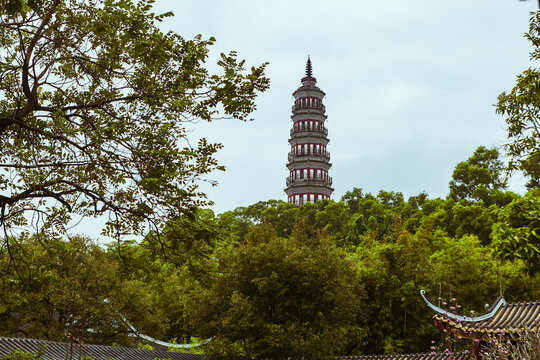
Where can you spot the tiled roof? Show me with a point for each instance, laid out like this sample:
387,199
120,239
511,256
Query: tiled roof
509,319
406,357
66,351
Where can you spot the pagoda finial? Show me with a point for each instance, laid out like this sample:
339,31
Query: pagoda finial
308,67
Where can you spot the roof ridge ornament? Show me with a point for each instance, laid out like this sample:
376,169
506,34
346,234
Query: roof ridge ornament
496,306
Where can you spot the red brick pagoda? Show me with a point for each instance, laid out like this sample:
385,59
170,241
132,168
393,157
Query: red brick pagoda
309,160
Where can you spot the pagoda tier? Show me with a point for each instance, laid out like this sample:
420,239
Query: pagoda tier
309,159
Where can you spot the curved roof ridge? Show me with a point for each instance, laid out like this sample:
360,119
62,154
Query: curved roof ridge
499,298
487,315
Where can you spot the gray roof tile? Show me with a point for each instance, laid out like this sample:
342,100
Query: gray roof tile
66,351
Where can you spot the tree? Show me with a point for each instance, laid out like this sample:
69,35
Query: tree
482,171
531,169
517,233
94,99
521,108
59,289
279,298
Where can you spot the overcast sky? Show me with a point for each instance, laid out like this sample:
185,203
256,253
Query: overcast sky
410,86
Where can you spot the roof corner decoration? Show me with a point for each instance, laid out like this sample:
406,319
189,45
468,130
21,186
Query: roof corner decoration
488,315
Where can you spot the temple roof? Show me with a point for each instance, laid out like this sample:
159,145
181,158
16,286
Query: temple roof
501,317
61,351
428,356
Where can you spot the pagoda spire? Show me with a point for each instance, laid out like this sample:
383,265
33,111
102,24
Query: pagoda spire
308,67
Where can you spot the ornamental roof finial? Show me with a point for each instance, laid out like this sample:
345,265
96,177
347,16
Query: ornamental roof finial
308,67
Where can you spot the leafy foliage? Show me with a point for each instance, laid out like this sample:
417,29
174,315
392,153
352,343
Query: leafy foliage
481,173
521,108
55,289
517,234
279,298
93,104
23,355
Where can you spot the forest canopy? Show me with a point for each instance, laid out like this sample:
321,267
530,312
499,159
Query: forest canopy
272,279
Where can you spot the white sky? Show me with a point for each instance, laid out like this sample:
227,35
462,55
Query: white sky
410,86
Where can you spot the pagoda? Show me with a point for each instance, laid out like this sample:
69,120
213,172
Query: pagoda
308,160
